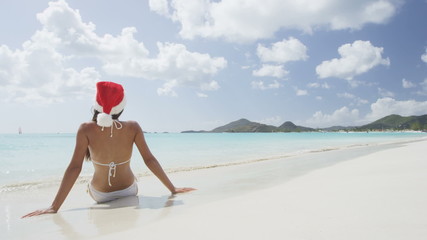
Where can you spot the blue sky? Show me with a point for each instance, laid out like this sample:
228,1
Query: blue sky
200,64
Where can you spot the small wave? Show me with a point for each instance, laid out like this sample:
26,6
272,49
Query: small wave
276,157
25,186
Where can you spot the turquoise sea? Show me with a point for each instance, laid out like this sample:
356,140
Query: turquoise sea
33,159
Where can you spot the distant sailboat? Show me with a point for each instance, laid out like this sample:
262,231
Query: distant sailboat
20,130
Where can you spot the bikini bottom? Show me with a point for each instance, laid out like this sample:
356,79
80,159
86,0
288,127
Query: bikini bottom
101,197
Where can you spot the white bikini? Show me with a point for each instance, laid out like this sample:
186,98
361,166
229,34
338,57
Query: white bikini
101,197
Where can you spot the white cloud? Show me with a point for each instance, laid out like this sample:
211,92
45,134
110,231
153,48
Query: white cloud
262,86
386,106
38,73
123,55
318,85
167,89
161,7
249,20
279,53
268,70
356,100
301,92
283,51
407,84
356,58
381,108
174,63
210,86
65,36
424,57
343,117
361,101
385,93
201,95
346,95
423,90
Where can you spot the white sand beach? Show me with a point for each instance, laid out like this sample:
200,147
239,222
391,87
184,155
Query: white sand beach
376,194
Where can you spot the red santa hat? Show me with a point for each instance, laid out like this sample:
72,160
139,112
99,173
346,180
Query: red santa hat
110,100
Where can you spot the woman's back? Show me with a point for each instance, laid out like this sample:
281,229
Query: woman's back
106,150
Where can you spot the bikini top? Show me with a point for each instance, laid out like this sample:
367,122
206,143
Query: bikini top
112,168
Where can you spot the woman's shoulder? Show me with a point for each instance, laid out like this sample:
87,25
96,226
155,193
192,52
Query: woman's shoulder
86,126
132,124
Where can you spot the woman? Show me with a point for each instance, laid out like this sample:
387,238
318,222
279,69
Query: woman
108,142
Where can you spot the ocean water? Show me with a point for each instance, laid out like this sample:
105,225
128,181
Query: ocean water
32,159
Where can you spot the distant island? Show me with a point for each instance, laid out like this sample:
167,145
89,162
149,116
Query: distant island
390,123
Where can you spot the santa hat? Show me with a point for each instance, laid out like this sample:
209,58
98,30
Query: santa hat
110,100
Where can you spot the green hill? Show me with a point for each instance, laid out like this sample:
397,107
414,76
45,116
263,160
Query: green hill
244,125
397,122
291,127
391,122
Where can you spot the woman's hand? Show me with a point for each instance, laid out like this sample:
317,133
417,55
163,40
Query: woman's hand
183,190
48,210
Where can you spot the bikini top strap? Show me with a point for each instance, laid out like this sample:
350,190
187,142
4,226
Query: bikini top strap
112,168
117,124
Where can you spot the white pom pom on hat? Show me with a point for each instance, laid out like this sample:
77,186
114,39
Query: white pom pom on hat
104,120
110,99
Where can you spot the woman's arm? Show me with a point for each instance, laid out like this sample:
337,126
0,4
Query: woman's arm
153,164
71,174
